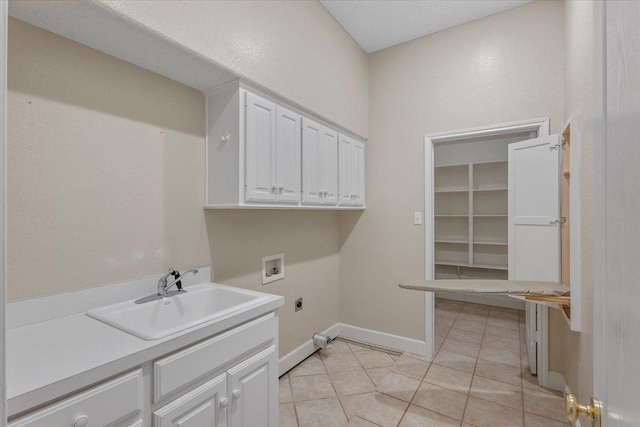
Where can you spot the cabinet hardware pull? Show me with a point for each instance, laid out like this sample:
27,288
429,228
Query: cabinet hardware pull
224,402
81,421
236,393
281,188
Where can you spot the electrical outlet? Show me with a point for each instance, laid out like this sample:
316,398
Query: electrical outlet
299,304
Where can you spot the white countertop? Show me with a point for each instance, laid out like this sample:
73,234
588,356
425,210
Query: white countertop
51,358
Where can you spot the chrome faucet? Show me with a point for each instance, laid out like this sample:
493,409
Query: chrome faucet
164,286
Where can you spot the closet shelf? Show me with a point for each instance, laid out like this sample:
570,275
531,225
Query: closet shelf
489,242
491,267
452,190
497,188
490,215
455,241
452,215
452,263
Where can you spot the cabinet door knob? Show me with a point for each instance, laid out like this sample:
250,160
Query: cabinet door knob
236,393
224,402
281,188
81,421
274,188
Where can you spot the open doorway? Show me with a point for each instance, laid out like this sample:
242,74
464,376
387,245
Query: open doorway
467,205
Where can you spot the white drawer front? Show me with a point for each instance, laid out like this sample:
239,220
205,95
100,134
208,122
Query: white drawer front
115,403
186,366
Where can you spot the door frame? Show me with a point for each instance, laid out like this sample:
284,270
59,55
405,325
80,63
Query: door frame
540,125
3,205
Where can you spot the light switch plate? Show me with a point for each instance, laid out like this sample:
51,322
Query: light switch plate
417,218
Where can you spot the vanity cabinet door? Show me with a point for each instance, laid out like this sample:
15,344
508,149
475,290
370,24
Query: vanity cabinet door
253,391
206,406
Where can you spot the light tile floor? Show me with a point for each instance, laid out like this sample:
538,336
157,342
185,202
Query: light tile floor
479,377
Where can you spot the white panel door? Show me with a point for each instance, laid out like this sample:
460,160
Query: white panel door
616,295
260,150
253,387
311,145
288,160
358,173
534,230
206,406
329,166
345,171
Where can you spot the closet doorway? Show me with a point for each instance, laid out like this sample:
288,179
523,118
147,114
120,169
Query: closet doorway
467,233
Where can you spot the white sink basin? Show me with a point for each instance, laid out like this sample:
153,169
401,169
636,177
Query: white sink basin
157,319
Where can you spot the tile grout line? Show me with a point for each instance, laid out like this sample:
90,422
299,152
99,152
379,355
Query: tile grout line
466,403
344,411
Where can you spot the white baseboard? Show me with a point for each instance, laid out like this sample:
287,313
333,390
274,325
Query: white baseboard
498,301
296,356
556,381
383,339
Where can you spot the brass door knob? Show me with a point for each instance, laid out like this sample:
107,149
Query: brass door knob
573,409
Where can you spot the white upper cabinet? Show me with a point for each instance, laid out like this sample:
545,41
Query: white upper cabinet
261,153
351,172
319,164
311,144
288,139
358,173
329,166
272,152
261,150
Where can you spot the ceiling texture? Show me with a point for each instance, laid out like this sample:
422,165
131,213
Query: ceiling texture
378,24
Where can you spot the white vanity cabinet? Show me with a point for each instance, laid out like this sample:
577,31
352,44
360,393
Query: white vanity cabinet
243,396
229,379
262,153
351,171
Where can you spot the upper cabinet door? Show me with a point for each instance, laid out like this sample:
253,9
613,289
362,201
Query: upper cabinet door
345,171
260,185
358,173
329,166
288,156
311,137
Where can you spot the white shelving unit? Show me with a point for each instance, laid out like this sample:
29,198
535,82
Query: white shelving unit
471,220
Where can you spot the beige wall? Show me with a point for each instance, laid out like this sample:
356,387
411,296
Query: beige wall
106,183
503,68
309,239
105,168
294,48
573,355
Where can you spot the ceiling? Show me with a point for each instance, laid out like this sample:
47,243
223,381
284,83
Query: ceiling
378,24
